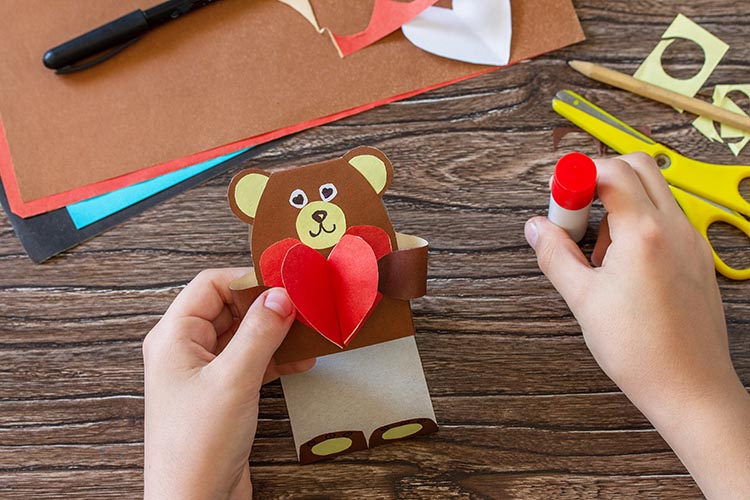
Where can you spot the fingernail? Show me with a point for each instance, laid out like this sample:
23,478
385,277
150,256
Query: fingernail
531,232
278,301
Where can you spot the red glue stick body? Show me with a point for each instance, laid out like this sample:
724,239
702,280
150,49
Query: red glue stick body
573,187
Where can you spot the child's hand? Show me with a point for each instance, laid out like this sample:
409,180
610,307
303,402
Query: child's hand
652,316
203,372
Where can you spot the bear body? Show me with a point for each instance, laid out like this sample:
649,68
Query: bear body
368,388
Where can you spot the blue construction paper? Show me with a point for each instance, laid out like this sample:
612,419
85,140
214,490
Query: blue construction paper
94,209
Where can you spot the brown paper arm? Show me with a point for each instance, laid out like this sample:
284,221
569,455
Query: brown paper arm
245,290
403,272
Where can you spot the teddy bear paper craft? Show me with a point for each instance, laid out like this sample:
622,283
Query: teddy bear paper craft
322,232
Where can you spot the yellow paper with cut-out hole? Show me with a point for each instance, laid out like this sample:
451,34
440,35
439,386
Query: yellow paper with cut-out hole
652,71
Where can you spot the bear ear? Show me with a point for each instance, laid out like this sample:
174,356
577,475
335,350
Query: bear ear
245,191
374,165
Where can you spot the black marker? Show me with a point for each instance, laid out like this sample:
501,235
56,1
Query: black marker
115,36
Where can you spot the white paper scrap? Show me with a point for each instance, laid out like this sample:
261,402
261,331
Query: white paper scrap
473,31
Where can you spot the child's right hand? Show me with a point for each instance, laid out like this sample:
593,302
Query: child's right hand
652,316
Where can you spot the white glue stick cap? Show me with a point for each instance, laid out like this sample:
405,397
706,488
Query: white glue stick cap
573,187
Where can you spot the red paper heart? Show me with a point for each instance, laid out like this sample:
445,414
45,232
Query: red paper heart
334,296
272,259
376,237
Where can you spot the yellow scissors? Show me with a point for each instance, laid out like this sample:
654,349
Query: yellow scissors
706,192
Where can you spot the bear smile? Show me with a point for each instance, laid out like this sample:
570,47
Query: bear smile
322,229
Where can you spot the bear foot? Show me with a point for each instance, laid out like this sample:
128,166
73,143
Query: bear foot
331,445
402,430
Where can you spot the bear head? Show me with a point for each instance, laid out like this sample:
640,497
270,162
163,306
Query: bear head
314,204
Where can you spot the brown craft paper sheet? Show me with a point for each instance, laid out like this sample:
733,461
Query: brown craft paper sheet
234,70
344,21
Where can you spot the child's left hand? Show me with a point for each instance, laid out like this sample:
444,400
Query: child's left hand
203,373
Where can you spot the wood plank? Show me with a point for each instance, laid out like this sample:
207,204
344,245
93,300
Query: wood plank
525,411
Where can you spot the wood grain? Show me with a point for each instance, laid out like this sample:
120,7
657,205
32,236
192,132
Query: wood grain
524,409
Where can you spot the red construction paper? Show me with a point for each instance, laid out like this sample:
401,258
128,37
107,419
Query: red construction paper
271,263
272,260
387,17
310,286
376,237
355,269
334,295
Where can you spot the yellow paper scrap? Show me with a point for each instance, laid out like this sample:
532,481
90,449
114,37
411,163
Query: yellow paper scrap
707,127
652,71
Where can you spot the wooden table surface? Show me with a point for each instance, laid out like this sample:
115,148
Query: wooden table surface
524,410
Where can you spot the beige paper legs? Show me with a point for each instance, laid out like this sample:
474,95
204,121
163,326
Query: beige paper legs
358,399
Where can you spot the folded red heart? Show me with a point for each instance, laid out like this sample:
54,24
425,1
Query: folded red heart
333,296
355,293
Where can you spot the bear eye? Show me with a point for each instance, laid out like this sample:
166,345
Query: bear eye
298,198
328,192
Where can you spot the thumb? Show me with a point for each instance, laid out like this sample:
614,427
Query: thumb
559,258
261,332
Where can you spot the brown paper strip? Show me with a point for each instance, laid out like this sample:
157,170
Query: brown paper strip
403,272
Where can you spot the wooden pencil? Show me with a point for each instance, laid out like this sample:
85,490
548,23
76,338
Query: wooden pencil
659,94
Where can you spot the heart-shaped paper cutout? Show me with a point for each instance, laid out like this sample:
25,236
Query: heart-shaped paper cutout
474,31
335,296
376,237
272,259
271,262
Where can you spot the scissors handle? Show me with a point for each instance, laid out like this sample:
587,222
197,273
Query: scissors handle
702,213
718,183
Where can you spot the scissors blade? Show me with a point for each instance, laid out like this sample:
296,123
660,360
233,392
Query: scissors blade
611,131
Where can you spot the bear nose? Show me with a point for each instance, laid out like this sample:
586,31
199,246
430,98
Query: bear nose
319,216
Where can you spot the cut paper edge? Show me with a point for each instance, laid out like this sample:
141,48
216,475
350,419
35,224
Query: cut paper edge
403,272
358,327
304,8
86,212
374,236
457,34
361,290
387,16
272,259
325,321
270,264
707,126
26,209
47,235
714,49
682,27
335,324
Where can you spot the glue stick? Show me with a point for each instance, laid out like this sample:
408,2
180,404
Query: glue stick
573,186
